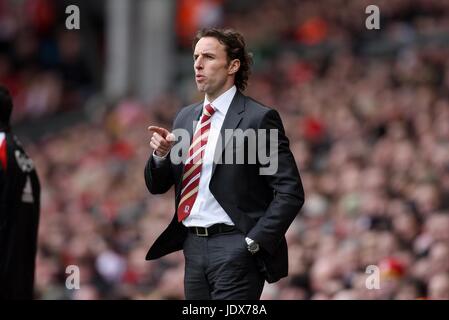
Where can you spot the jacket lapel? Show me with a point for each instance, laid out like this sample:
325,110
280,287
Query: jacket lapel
189,124
192,120
231,121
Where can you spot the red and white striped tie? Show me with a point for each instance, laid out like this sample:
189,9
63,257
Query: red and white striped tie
192,167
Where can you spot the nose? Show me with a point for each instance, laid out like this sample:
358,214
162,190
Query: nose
198,64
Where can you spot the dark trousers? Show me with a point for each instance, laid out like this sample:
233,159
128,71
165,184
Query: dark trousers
220,267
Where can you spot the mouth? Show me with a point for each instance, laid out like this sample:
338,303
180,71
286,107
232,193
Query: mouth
199,77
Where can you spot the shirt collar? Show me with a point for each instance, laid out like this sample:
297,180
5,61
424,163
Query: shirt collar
223,102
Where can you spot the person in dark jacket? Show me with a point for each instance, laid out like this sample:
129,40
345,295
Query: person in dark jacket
19,210
231,217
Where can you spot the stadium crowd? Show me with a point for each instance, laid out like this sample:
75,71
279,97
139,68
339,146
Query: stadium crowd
370,135
41,62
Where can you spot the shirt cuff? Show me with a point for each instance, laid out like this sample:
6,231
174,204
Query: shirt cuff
158,159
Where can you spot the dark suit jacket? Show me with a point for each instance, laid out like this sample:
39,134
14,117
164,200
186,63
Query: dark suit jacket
261,206
19,221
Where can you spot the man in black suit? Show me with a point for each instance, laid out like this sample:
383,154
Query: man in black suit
19,211
231,216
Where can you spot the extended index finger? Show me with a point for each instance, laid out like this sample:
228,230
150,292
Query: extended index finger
161,131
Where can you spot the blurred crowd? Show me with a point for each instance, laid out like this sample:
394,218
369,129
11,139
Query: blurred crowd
41,62
371,139
309,22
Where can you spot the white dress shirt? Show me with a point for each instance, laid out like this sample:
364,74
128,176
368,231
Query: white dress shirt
206,211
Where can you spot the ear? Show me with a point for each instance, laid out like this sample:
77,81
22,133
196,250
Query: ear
234,66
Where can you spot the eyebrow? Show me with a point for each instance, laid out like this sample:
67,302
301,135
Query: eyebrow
210,54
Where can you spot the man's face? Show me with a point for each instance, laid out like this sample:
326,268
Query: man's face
213,73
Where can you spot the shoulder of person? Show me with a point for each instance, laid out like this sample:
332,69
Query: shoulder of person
187,109
257,109
182,113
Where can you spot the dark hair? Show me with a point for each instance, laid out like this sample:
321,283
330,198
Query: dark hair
235,49
5,106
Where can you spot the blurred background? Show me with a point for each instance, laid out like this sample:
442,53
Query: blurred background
366,112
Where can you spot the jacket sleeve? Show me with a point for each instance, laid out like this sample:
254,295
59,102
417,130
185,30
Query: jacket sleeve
286,184
158,177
